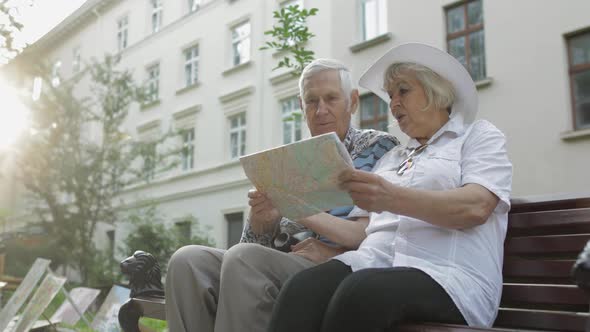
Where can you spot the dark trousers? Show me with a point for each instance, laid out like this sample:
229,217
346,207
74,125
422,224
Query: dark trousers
331,298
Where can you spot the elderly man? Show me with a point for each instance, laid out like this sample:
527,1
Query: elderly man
209,289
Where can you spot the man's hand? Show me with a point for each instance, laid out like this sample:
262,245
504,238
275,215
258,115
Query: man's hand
315,250
368,191
263,215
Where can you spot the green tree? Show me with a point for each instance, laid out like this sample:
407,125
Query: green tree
150,234
289,36
78,159
9,29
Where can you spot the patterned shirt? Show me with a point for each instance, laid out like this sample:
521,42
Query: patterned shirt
366,147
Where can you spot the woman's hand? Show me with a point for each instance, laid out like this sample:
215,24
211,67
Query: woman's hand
315,250
369,191
263,215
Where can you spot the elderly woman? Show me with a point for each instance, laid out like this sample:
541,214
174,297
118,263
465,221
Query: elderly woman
438,212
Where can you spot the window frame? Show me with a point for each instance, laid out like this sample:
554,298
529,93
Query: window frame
149,161
468,30
157,7
381,8
184,229
153,81
123,33
294,119
193,62
239,40
230,218
194,5
76,59
573,70
241,130
374,121
37,88
188,148
55,73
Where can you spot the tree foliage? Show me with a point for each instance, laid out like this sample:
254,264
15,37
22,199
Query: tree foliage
78,158
9,28
150,234
290,35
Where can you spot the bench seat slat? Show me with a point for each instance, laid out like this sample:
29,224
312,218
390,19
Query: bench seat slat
569,295
540,245
152,307
543,320
430,327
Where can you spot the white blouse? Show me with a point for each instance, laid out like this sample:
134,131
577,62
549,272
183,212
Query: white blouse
466,263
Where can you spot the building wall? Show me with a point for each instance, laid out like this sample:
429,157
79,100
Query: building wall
526,59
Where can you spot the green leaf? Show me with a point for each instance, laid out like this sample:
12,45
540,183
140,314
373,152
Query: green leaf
289,36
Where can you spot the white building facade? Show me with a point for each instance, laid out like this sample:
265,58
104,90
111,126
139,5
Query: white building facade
206,75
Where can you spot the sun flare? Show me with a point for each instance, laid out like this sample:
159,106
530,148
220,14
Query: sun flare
13,115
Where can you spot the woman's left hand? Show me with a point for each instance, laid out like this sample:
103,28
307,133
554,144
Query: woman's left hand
369,191
315,250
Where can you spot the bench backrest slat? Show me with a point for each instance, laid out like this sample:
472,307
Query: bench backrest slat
518,269
542,243
558,245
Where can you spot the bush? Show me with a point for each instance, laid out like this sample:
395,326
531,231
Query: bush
149,234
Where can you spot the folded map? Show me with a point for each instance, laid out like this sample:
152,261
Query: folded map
301,178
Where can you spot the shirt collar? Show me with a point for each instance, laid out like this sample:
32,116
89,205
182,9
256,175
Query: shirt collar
350,138
455,125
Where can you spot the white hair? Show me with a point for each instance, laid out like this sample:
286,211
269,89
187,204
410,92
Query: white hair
319,65
438,90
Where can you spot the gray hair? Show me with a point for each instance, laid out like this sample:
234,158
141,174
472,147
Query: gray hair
319,65
439,91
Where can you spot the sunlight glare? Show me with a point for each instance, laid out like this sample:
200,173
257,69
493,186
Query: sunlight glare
13,115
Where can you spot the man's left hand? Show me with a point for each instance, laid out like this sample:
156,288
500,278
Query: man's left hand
315,250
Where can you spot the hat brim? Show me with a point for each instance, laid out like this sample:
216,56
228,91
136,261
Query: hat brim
442,63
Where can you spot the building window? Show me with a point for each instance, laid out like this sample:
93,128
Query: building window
122,31
373,18
373,112
184,230
237,135
240,40
156,15
149,161
235,225
188,148
191,66
579,71
194,5
76,60
153,83
55,77
465,36
111,242
292,115
37,87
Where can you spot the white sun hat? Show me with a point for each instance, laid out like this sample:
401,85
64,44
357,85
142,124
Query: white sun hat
441,62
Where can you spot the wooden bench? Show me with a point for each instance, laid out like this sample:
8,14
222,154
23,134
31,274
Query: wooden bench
544,239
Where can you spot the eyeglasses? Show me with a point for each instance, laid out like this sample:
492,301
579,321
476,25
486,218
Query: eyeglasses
408,162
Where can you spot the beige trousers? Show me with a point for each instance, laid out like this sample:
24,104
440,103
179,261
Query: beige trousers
213,290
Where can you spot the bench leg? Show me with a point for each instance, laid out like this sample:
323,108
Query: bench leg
129,315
